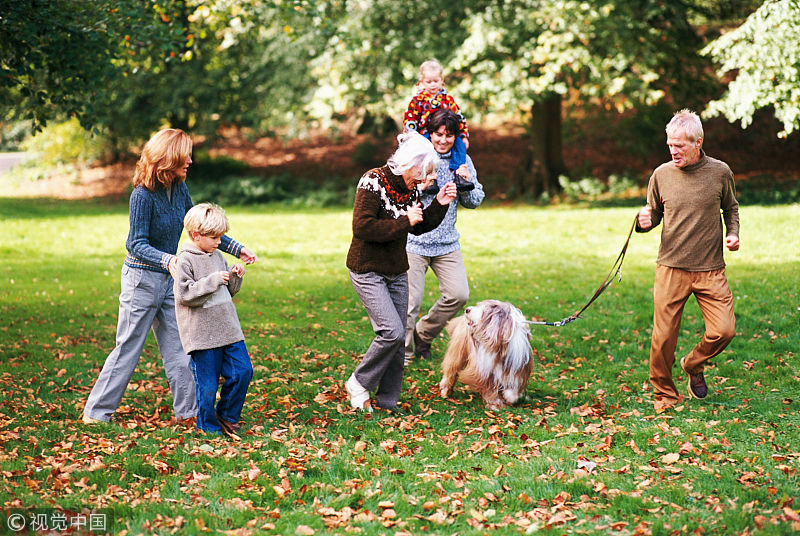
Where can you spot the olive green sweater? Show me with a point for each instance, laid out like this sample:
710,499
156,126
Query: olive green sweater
689,200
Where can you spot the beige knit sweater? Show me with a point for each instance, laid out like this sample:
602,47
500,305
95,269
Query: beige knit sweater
689,201
203,301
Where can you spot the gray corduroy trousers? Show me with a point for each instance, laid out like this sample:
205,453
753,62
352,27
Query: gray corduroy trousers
385,298
146,300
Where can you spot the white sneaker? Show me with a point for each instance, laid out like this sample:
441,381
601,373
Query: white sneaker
89,420
359,397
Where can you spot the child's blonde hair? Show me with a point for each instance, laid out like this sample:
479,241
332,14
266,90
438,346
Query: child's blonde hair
430,65
206,219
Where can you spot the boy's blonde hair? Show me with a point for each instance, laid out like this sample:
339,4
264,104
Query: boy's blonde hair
430,65
206,219
163,154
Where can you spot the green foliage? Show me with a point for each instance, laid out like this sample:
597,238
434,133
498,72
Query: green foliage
766,190
764,53
583,453
59,57
228,181
64,143
591,189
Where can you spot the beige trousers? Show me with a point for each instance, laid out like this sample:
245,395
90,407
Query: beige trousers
671,289
453,287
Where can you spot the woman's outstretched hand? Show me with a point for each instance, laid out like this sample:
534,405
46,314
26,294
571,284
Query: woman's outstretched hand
247,256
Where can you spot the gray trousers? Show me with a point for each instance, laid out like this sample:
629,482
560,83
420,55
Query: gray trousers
146,300
453,290
385,298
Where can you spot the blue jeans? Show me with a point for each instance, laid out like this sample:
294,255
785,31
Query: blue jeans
232,363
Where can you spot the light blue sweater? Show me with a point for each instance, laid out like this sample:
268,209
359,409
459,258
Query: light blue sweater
444,239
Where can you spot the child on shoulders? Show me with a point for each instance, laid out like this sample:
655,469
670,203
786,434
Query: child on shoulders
207,321
432,96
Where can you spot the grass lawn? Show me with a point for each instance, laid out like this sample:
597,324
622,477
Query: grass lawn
584,453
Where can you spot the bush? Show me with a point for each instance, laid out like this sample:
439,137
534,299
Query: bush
592,189
251,190
64,143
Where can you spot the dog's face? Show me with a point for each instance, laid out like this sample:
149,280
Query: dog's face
492,321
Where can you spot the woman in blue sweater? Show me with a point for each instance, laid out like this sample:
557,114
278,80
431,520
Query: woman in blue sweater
159,201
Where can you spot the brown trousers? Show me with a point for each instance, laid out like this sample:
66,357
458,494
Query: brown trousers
671,289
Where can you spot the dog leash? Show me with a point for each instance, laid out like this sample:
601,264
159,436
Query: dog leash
615,272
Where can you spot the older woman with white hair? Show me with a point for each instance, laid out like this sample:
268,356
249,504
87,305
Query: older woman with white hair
386,209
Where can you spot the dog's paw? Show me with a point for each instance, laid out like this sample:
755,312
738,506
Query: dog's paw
444,390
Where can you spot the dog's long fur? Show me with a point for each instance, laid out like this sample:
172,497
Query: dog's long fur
490,352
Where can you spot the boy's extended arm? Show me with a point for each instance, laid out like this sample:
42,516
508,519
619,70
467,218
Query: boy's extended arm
195,293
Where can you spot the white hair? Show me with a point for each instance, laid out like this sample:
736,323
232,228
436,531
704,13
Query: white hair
414,151
688,122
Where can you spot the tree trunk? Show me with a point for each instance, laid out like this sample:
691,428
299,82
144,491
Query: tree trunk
543,161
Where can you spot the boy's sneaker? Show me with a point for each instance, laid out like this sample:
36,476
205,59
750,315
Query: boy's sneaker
422,349
90,420
697,383
463,185
359,397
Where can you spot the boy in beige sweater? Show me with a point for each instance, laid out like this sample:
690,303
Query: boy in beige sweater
207,321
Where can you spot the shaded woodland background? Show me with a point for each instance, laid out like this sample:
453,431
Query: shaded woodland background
292,96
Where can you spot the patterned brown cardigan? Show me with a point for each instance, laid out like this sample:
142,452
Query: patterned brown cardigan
380,224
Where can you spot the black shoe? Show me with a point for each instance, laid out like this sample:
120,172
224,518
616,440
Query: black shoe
395,410
422,349
463,185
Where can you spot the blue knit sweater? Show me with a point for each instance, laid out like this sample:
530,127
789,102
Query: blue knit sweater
444,239
156,223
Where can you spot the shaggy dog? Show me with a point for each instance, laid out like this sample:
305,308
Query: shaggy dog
490,352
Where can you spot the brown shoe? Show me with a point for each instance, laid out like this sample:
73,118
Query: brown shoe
230,429
697,383
422,349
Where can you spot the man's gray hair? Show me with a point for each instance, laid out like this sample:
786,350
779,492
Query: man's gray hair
688,122
414,151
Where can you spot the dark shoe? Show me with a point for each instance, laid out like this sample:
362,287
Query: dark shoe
230,429
422,349
395,410
463,185
697,383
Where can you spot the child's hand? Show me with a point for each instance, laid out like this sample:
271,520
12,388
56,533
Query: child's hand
226,276
238,269
466,142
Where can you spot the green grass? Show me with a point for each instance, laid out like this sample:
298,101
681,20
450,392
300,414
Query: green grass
450,466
